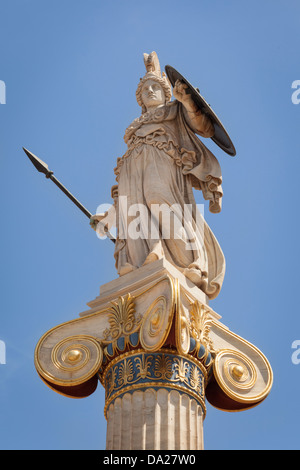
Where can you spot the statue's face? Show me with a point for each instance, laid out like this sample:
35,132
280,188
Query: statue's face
153,94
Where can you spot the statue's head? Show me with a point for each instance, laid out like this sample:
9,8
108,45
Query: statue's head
154,89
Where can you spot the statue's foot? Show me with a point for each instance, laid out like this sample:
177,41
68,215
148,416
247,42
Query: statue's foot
151,258
127,268
193,275
197,277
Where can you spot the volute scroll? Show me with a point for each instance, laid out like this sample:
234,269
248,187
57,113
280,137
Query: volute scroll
242,376
69,363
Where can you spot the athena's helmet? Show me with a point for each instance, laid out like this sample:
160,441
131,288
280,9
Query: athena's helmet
153,72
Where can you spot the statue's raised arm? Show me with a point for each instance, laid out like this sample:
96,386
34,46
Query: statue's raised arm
200,122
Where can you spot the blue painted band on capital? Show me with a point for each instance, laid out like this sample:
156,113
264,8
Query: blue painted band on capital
162,369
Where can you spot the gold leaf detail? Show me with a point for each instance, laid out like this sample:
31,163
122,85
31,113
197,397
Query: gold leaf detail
143,365
195,379
111,380
200,324
121,318
126,372
182,368
163,367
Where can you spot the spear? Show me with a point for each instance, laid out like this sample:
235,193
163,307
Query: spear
42,167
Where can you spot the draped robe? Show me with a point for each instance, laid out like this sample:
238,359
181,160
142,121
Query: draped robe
165,160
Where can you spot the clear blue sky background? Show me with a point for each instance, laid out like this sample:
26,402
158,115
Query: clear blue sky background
71,69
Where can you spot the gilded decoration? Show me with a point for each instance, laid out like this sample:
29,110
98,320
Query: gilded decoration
131,325
237,375
155,337
73,360
152,333
161,369
147,327
200,324
121,318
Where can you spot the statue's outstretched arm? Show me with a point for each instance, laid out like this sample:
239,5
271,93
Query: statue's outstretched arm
103,222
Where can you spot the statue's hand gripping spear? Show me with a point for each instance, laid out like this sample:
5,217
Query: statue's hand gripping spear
42,167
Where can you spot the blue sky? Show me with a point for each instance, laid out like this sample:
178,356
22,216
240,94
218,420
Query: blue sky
71,69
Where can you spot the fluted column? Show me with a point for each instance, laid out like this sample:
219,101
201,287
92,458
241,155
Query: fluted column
154,420
154,401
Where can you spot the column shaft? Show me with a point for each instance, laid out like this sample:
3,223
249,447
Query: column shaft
154,420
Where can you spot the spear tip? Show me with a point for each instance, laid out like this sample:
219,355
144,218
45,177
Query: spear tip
37,162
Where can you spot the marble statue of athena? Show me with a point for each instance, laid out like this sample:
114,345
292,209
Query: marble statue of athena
150,337
156,213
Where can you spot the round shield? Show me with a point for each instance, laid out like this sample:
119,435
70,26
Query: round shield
220,137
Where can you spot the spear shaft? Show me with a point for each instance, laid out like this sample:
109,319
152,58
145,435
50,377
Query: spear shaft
70,196
42,167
